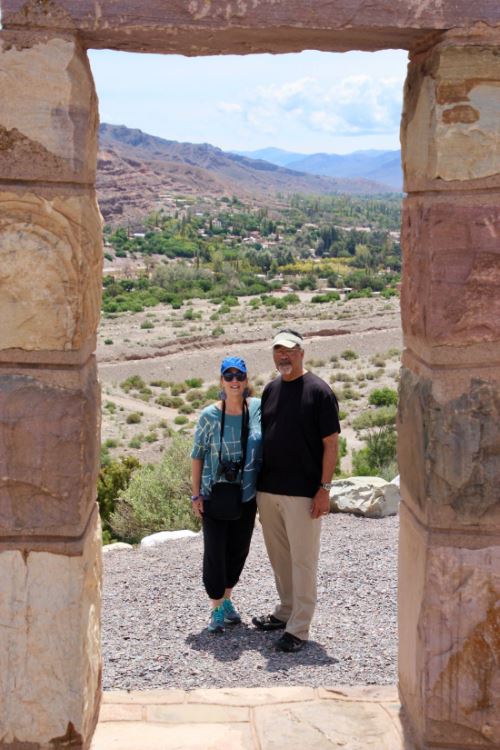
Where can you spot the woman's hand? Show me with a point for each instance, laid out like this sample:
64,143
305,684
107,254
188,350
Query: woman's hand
197,506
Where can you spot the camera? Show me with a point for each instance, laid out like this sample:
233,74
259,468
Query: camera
229,470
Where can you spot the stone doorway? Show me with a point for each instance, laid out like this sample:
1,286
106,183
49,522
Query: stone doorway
50,279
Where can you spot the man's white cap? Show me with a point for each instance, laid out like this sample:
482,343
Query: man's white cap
285,338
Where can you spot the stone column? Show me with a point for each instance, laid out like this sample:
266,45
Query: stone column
449,417
50,281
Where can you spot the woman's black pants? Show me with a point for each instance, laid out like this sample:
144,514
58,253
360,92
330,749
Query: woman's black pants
226,546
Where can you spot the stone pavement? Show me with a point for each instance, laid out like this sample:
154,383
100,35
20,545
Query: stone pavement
281,718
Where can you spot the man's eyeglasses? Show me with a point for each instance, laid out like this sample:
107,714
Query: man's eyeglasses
229,376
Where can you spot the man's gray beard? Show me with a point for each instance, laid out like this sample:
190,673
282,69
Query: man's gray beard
285,369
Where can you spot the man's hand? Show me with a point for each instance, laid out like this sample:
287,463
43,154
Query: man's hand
320,503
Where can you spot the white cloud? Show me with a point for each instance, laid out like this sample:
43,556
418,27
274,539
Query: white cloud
354,105
230,108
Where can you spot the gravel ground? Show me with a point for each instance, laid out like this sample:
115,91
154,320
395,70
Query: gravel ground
155,613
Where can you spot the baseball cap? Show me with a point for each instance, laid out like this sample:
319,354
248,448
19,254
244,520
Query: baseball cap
235,362
288,339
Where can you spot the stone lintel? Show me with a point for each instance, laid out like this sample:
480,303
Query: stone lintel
233,27
448,632
449,448
51,260
48,130
450,294
49,446
47,360
449,127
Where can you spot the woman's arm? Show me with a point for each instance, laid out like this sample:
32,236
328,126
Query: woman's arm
196,469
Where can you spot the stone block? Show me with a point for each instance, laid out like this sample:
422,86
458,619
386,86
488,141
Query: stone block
451,286
51,265
50,666
49,441
450,118
449,638
325,724
49,119
449,452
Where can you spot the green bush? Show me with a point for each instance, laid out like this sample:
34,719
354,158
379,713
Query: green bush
157,498
181,419
113,479
147,324
194,382
217,331
173,402
383,397
134,417
135,443
375,418
108,341
349,354
133,383
379,453
342,452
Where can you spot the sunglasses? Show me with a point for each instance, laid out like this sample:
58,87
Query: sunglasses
229,376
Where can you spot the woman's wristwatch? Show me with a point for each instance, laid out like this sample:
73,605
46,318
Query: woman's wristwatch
195,497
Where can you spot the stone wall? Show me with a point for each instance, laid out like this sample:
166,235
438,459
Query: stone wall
449,415
50,287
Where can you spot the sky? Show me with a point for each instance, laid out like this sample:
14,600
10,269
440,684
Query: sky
304,102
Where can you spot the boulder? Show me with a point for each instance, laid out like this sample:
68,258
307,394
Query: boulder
372,497
116,547
165,536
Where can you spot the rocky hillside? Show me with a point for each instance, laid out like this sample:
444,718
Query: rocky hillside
137,171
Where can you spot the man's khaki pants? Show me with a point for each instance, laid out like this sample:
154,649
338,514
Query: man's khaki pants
292,540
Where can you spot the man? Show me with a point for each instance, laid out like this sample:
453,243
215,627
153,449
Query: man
300,426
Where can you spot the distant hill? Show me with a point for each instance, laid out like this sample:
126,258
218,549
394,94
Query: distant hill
137,170
381,166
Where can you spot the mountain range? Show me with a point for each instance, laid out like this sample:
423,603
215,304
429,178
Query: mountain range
381,166
136,172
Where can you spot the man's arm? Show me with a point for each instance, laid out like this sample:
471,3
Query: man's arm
321,500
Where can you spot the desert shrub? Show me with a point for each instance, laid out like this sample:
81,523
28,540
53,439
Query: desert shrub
217,331
186,409
111,443
341,377
291,298
110,406
112,480
173,402
327,297
135,443
157,497
349,354
177,388
134,417
378,360
194,382
151,437
212,393
159,383
194,395
341,453
181,419
383,397
378,454
133,383
349,394
375,418
108,341
147,324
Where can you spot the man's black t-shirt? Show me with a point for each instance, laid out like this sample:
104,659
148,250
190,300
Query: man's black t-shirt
296,416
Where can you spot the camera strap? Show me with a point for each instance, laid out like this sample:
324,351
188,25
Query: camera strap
245,424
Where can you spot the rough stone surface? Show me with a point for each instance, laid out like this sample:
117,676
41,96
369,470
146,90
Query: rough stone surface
48,455
48,121
450,128
202,26
449,622
350,718
372,497
50,671
449,453
50,269
451,287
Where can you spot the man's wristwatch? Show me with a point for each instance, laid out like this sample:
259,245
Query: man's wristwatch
326,486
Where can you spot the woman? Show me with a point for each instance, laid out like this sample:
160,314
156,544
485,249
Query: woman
234,457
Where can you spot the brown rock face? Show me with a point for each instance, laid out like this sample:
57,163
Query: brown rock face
50,272
449,615
451,287
450,120
48,455
48,131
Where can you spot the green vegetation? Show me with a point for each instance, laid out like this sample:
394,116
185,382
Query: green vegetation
383,397
157,497
379,456
114,478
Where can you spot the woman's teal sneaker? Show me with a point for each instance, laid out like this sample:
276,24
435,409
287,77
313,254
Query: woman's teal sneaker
217,619
231,616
